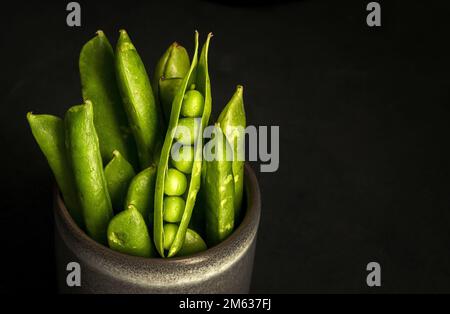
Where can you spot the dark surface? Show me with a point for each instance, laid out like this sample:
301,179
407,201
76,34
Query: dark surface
364,123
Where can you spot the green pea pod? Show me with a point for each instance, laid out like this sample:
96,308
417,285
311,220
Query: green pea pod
84,155
49,132
197,77
170,70
98,83
127,233
143,113
218,188
141,193
167,89
118,174
232,122
193,243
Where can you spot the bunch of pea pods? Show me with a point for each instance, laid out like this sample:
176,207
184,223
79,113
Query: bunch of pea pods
113,156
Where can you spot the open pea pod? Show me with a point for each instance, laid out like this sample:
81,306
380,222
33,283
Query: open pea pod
173,182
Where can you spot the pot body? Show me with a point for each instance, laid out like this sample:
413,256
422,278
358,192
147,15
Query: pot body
85,266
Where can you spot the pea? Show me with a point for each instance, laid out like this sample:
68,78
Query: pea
186,132
170,231
175,183
183,159
173,208
192,104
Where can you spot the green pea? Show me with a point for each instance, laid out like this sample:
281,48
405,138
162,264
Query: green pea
49,133
98,84
118,174
183,159
187,131
170,231
193,243
139,102
175,183
141,193
84,154
193,102
168,89
173,208
128,233
232,122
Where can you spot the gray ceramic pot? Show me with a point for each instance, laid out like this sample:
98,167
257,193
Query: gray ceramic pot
225,268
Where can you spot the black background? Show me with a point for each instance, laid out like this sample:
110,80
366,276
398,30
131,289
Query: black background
363,115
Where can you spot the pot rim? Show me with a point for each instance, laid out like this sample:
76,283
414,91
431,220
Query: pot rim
245,232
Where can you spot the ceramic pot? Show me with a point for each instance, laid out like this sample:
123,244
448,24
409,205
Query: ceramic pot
224,268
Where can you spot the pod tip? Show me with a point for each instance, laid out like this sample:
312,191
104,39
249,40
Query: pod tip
116,153
171,253
100,33
124,42
131,207
88,105
30,116
123,33
77,108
